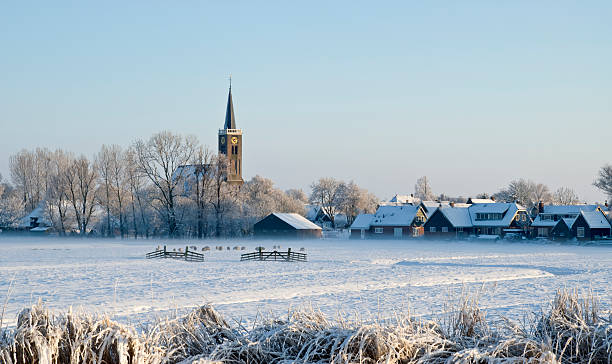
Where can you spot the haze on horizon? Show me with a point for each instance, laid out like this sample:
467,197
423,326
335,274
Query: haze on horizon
471,94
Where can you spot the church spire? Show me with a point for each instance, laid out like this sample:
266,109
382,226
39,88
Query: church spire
230,120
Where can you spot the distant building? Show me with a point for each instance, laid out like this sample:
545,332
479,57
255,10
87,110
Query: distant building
230,143
399,200
286,225
318,216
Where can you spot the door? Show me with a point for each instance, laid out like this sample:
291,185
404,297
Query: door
362,234
397,232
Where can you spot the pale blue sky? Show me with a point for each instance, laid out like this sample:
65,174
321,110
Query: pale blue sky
471,93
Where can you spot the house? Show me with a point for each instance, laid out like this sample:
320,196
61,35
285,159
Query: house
361,226
318,216
591,225
397,222
36,221
562,229
549,216
286,225
449,222
499,218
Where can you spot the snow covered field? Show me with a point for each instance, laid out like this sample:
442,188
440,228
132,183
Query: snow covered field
378,277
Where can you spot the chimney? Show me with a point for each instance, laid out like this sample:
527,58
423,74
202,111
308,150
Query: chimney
540,207
412,195
606,203
452,204
492,198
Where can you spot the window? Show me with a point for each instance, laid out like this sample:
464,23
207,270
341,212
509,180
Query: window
546,218
542,232
580,232
460,230
397,232
432,229
444,229
378,230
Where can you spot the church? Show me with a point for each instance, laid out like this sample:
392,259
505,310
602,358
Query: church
230,143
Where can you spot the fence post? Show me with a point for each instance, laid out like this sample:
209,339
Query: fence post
289,254
186,250
164,251
260,252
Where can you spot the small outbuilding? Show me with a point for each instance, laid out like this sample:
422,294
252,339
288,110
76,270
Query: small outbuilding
286,225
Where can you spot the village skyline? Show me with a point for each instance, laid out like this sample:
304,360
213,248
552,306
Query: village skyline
471,96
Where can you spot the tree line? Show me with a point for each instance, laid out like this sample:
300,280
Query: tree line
167,185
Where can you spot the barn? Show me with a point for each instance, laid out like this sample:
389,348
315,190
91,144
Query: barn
286,225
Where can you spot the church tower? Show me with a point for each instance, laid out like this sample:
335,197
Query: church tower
230,143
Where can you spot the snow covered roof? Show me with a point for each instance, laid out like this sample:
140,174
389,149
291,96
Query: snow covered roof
568,209
362,221
39,214
538,222
595,219
457,216
480,200
297,221
404,199
395,215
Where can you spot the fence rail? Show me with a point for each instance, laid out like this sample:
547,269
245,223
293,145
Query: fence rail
287,256
187,255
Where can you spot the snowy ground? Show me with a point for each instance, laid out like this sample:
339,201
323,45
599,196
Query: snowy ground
378,277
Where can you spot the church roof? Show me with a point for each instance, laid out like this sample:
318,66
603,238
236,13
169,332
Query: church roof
230,120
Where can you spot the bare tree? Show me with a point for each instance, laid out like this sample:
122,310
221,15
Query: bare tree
159,159
57,197
11,206
136,187
103,167
565,196
422,189
221,190
80,179
604,180
541,192
203,181
328,194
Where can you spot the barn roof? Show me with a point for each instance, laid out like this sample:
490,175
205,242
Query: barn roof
457,216
362,221
297,221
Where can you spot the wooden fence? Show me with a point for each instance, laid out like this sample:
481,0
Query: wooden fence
187,255
287,256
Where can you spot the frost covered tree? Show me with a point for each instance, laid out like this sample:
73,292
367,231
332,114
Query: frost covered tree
110,163
356,200
158,159
604,180
138,196
11,206
565,196
297,194
222,196
30,175
80,178
328,194
422,189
